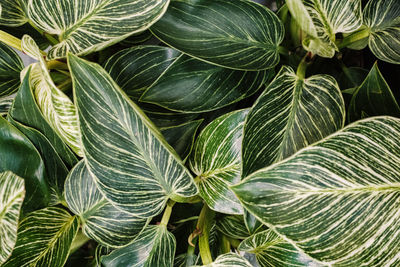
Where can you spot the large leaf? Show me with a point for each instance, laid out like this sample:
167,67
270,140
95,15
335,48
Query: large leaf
155,246
85,26
337,200
291,114
229,260
10,67
12,193
216,161
382,17
237,35
273,251
101,220
373,98
11,13
133,166
44,239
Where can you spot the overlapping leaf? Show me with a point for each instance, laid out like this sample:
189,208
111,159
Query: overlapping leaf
238,35
12,193
11,13
10,67
229,260
85,26
337,200
291,114
5,104
132,164
233,226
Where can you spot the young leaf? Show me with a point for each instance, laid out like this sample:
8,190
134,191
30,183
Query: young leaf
44,239
337,200
291,114
216,161
101,221
11,13
88,26
373,98
12,193
238,35
10,67
155,246
133,166
229,260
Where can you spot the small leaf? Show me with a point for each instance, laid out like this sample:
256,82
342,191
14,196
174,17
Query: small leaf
233,226
10,67
12,193
229,260
155,246
216,161
238,35
44,239
101,221
11,13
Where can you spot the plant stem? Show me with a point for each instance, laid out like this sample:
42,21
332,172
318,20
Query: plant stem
225,245
301,69
204,224
190,257
352,38
79,241
167,213
283,51
10,40
234,242
55,64
49,37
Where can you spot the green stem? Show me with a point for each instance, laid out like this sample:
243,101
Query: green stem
225,245
79,241
234,242
10,40
49,37
190,257
352,38
204,224
55,64
167,213
283,51
301,69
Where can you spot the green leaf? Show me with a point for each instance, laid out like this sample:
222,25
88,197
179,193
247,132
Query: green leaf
10,67
101,221
12,193
88,26
20,31
216,161
155,246
44,239
337,200
19,155
6,103
11,13
291,114
251,222
133,166
273,251
229,260
373,98
233,226
351,77
382,18
238,35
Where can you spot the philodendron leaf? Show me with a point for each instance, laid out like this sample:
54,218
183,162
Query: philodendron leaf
229,260
11,13
291,114
6,103
238,35
101,221
216,161
12,193
56,107
87,26
337,200
233,226
10,67
44,238
373,98
272,250
133,166
155,246
382,18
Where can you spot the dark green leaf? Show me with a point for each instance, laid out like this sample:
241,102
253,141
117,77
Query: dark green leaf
11,13
10,67
233,226
229,260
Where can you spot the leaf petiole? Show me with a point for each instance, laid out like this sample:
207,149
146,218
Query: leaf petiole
352,38
167,213
204,225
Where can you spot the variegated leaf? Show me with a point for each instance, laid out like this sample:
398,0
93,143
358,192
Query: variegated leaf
56,107
132,164
100,220
11,13
234,34
85,26
155,246
44,238
382,18
12,193
229,260
216,161
338,200
10,67
272,250
233,226
6,103
291,114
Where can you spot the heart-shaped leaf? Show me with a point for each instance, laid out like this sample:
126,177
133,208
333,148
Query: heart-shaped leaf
101,220
10,67
238,35
229,260
291,114
85,26
11,13
12,195
133,166
337,200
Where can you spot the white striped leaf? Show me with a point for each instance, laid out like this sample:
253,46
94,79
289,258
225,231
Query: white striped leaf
272,250
133,166
6,103
237,34
382,18
100,220
86,26
233,226
11,13
155,246
56,107
10,67
12,193
291,114
44,239
216,161
229,260
338,200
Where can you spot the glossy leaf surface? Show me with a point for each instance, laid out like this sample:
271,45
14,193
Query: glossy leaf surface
12,13
10,67
233,226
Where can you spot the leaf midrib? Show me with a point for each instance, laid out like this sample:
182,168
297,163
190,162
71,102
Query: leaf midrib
9,204
368,188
